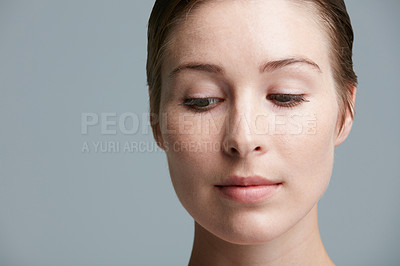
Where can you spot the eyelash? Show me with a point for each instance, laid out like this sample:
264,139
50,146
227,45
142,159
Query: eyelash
191,103
290,101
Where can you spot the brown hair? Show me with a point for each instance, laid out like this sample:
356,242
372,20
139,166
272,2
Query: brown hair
167,13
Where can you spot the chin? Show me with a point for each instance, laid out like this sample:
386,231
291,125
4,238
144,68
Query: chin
250,237
245,229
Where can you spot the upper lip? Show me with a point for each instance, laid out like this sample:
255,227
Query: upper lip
247,181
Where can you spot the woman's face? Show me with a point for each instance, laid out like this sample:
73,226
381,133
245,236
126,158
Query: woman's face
249,116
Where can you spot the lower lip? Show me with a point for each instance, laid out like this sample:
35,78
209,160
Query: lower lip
248,194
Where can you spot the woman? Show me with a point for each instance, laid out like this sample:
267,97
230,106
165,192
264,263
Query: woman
248,100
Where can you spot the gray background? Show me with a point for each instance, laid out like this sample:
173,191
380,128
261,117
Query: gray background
59,206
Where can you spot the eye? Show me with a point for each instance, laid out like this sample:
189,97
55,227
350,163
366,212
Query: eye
287,100
200,104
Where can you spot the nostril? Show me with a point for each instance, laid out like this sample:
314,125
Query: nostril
258,148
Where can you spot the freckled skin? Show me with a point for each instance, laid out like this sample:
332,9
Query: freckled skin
293,145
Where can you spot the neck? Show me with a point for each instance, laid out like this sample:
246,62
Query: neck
301,245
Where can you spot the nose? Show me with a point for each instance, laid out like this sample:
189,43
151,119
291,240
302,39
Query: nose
241,138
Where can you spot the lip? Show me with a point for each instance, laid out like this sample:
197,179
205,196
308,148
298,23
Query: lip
252,189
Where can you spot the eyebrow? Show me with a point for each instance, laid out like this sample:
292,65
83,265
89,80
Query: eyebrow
266,67
277,64
210,68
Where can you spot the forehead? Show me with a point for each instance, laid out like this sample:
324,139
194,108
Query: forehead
248,32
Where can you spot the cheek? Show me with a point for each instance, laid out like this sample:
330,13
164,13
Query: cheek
192,138
309,156
192,146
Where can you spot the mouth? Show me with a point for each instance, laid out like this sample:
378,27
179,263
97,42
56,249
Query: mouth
253,189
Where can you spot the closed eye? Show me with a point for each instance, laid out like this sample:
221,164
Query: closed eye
286,100
201,104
